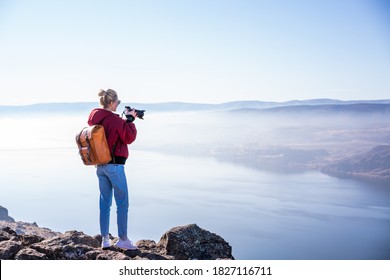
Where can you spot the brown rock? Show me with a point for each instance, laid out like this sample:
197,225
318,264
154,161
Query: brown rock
30,254
8,249
71,245
192,242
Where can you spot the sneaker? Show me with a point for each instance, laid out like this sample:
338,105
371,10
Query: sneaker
106,242
126,244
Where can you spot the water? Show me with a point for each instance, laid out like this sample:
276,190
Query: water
262,215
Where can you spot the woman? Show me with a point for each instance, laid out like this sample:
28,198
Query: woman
112,179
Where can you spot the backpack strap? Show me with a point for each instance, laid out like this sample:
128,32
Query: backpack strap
113,147
78,139
88,145
80,145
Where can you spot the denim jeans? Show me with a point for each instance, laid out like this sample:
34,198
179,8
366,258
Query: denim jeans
112,179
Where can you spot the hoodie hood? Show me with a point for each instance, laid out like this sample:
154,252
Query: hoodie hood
98,115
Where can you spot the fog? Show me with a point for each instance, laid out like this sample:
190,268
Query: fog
225,135
228,135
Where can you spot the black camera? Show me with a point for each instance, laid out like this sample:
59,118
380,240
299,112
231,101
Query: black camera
140,114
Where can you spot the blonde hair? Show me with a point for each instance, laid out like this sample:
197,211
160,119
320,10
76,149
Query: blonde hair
107,96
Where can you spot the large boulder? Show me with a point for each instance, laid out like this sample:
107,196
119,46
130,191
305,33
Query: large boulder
193,242
8,249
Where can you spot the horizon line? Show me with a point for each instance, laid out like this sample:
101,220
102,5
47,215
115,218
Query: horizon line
197,103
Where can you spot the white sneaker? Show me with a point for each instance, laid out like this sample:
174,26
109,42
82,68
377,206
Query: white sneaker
126,244
106,242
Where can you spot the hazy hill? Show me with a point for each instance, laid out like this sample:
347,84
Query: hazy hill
313,105
359,108
373,165
151,107
4,215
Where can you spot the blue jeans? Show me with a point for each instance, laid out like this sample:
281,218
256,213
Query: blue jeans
112,179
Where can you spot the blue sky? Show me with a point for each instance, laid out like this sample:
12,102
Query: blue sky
194,51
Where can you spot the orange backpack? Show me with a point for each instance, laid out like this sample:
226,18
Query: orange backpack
93,147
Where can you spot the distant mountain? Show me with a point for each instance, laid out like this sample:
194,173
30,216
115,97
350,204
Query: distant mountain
151,107
326,101
313,105
360,108
373,165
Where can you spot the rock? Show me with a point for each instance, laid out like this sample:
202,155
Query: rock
28,240
30,254
192,242
155,257
7,233
111,255
29,228
4,215
150,250
184,242
72,245
8,249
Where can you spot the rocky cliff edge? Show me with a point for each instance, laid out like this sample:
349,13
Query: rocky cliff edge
24,241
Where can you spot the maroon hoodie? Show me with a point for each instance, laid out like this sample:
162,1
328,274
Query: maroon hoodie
118,131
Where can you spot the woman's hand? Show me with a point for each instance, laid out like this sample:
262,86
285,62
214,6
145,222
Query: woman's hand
132,112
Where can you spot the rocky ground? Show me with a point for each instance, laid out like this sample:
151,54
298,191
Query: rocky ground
23,228
23,241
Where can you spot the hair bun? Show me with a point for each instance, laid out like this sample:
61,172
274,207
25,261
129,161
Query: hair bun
102,93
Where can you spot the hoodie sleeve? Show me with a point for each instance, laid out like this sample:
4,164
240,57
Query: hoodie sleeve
128,132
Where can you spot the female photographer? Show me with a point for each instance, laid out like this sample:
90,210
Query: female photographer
112,179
